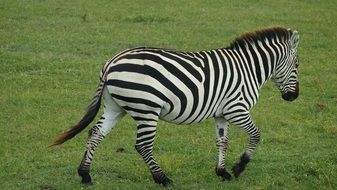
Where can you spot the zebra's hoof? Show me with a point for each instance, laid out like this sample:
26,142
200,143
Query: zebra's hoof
161,178
86,179
239,167
223,174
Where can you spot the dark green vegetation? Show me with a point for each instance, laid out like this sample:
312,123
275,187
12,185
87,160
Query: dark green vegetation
51,53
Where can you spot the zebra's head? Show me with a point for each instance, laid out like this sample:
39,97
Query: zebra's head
285,74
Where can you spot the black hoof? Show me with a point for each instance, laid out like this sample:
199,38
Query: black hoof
161,178
223,174
86,179
239,167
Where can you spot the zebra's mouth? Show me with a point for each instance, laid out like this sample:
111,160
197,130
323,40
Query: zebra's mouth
291,95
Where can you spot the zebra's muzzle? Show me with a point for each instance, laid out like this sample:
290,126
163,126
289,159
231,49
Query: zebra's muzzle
291,95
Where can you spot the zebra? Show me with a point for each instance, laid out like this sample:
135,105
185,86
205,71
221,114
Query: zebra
188,87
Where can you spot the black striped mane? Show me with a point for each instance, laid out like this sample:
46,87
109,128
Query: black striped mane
260,35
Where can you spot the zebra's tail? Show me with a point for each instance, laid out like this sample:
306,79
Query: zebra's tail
89,116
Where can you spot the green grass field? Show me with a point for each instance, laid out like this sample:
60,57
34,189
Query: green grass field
51,53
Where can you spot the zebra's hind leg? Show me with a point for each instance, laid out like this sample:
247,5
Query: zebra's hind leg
146,131
221,126
94,138
248,125
112,114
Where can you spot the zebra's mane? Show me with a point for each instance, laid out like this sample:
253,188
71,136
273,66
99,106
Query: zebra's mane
261,35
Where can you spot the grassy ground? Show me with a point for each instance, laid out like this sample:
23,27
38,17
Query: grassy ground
51,53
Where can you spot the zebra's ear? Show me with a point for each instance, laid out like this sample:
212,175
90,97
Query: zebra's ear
295,39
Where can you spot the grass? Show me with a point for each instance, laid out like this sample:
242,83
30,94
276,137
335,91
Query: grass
51,53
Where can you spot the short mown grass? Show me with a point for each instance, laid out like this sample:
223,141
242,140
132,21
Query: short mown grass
51,53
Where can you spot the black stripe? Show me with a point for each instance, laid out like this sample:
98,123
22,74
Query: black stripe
196,62
146,133
245,94
206,82
271,55
264,61
272,58
250,80
136,100
235,98
215,64
256,63
249,64
140,87
225,73
245,73
143,119
178,59
127,108
147,70
235,70
187,66
145,139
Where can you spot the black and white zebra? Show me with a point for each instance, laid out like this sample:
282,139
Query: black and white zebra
189,87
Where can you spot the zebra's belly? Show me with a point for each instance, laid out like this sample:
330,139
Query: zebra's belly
176,117
180,122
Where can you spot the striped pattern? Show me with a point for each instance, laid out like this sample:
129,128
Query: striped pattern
189,87
95,137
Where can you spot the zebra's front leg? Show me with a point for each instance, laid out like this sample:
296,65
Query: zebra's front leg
221,126
254,138
144,146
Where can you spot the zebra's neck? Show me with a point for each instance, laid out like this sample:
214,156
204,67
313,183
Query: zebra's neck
256,61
